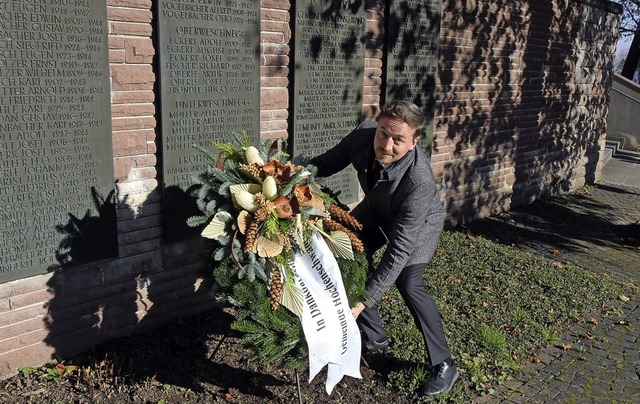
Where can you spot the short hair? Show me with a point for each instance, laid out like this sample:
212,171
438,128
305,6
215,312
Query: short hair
406,111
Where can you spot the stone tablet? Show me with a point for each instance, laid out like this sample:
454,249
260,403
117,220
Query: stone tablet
209,80
55,136
209,91
413,29
328,79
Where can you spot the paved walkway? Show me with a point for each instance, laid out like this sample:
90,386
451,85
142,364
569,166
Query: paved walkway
598,229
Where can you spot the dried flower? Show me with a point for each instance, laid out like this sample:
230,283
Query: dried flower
302,193
281,173
283,206
252,156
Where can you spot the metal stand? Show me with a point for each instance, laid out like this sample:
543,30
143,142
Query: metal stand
366,364
298,386
215,350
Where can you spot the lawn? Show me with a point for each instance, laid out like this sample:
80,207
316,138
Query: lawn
501,308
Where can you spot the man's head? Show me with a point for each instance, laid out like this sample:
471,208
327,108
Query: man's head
399,126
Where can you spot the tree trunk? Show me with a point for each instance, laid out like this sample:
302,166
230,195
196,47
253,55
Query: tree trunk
631,62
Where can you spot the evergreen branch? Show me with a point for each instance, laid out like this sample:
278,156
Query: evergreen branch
195,221
206,152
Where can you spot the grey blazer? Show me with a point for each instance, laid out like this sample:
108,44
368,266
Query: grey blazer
404,204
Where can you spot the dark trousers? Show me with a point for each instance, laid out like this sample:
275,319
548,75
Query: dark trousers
410,284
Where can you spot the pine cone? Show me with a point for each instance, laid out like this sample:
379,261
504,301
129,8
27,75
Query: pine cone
275,288
332,225
344,217
252,232
253,170
267,208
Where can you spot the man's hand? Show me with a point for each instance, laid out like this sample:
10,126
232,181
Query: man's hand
358,309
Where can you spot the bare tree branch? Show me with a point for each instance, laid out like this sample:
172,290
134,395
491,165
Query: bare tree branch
630,18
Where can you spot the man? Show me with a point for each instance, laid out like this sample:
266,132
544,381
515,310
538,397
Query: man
401,208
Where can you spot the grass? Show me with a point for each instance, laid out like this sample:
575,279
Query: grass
500,306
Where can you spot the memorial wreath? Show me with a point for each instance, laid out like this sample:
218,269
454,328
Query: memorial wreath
262,214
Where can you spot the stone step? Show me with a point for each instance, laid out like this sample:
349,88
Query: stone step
627,154
608,153
614,145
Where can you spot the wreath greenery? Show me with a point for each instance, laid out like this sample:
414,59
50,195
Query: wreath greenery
259,210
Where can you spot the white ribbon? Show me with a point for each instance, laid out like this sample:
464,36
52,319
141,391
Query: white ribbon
329,327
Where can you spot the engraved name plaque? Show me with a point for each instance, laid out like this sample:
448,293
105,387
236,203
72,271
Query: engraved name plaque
209,91
328,80
209,79
412,57
55,135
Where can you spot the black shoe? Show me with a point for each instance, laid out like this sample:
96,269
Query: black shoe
373,346
442,378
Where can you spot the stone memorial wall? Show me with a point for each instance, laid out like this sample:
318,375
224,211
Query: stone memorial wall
93,103
55,129
327,80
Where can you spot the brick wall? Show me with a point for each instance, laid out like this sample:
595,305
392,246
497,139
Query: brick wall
150,283
522,99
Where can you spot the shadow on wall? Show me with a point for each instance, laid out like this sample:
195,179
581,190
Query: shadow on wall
346,50
97,300
506,119
91,238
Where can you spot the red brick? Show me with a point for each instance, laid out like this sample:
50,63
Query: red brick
121,168
24,286
142,4
131,97
126,28
120,124
132,77
142,173
33,355
32,298
129,110
4,305
274,98
273,37
23,314
116,42
275,60
139,50
278,4
273,26
274,14
12,332
128,14
272,71
273,82
129,143
371,99
152,147
275,49
117,56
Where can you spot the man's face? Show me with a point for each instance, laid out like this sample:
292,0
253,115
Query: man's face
394,138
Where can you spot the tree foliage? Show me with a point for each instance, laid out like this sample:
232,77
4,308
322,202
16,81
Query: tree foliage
630,19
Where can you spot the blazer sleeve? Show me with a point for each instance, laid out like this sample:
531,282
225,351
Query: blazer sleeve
340,156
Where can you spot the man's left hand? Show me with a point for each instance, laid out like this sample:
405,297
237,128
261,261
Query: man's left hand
358,309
